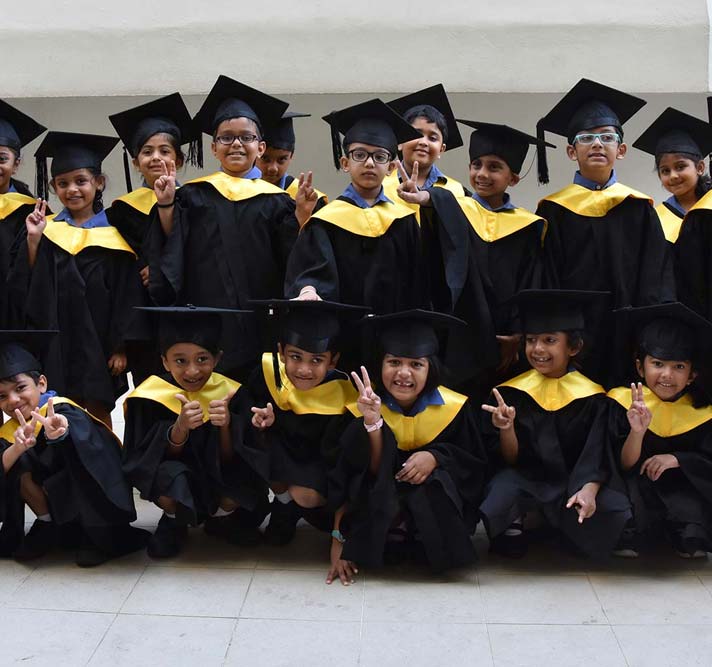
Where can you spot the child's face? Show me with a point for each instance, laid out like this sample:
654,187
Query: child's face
596,160
490,176
306,370
21,393
367,175
76,190
237,158
274,163
190,365
666,379
549,353
425,150
9,162
157,151
404,378
679,174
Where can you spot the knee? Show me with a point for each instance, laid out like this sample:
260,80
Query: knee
307,498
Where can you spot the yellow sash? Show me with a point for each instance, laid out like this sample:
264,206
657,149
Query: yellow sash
594,203
292,188
75,239
142,199
703,202
495,225
11,201
391,183
238,189
370,222
330,398
552,394
670,221
160,391
669,418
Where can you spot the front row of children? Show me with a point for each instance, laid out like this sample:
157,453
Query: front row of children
396,465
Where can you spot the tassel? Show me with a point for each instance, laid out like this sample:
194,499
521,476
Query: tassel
541,164
195,152
709,116
336,148
41,181
127,171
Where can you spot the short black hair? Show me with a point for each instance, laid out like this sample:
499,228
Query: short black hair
431,114
34,375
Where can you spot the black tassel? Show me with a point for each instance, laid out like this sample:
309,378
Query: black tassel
709,117
195,152
541,164
41,181
275,369
336,148
127,171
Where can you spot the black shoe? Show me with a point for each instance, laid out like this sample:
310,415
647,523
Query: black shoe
245,528
689,547
282,524
512,543
89,555
627,546
40,539
168,539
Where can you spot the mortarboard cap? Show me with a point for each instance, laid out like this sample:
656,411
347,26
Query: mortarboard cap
20,349
281,134
676,132
16,128
559,310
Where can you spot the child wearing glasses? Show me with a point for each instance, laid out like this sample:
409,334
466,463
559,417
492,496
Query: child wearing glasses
223,239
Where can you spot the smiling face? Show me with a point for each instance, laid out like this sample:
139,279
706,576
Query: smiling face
9,162
665,378
190,365
425,150
155,152
274,163
404,378
549,353
596,160
76,190
21,393
490,176
679,175
237,158
306,370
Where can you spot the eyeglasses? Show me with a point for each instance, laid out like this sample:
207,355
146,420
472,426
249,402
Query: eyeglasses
603,137
360,155
229,139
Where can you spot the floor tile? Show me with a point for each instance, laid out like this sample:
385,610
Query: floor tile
669,646
290,643
308,551
12,575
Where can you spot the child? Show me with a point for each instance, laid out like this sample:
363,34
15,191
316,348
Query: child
301,408
362,248
182,433
411,469
678,141
274,162
230,226
547,432
16,201
662,429
76,273
63,462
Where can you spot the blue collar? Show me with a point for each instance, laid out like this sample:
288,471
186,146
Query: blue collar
356,198
12,188
673,203
507,206
592,185
98,220
46,396
254,172
432,397
434,175
283,182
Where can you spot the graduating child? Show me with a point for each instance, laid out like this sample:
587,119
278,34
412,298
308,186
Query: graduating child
182,433
300,410
63,462
662,428
362,248
547,432
76,273
411,468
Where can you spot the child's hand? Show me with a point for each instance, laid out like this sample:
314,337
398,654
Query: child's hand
657,465
191,414
308,293
508,351
638,414
25,433
263,418
218,412
165,184
584,501
36,222
369,402
408,189
306,198
117,363
144,276
55,426
503,415
343,569
417,468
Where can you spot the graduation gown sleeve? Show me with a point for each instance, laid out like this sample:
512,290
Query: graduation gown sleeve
693,267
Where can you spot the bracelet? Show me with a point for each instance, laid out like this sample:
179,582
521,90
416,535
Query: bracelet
370,428
166,205
336,534
172,442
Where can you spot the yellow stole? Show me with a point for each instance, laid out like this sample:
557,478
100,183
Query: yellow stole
493,225
671,222
669,418
142,199
330,398
160,391
594,203
391,183
238,189
370,222
703,202
292,188
552,394
11,201
75,239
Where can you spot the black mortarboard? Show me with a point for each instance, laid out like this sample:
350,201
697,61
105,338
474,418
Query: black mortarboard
16,128
501,140
231,99
372,122
167,115
434,97
541,310
70,151
587,105
281,134
676,132
20,349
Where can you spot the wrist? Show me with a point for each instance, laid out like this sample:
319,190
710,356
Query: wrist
177,437
337,536
373,426
169,204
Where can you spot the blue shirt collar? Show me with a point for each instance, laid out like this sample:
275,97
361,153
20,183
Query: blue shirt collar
506,206
673,203
254,172
98,220
592,185
356,198
12,187
283,182
46,396
434,175
426,398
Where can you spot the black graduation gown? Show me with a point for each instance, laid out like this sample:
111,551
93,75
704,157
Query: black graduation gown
561,427
291,186
82,477
443,510
196,478
681,496
229,244
84,284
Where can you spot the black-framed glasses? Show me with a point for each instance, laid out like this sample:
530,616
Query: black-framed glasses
229,139
361,155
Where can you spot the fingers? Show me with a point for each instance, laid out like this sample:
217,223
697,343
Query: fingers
270,410
37,417
20,418
183,400
50,407
171,168
489,408
366,379
402,172
571,501
499,399
414,175
357,381
309,178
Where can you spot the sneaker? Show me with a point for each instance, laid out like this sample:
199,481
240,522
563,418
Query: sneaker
282,524
627,546
512,543
89,555
168,539
691,547
40,539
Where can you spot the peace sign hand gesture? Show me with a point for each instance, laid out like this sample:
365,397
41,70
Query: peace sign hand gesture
638,414
55,426
165,185
36,221
503,415
25,433
306,198
408,189
369,402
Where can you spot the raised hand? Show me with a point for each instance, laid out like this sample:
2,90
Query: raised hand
638,414
657,465
417,468
25,433
191,414
263,418
503,415
117,363
408,189
36,221
165,185
55,426
306,198
218,412
369,402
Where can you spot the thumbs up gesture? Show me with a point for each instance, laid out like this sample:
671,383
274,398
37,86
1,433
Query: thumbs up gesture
191,414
